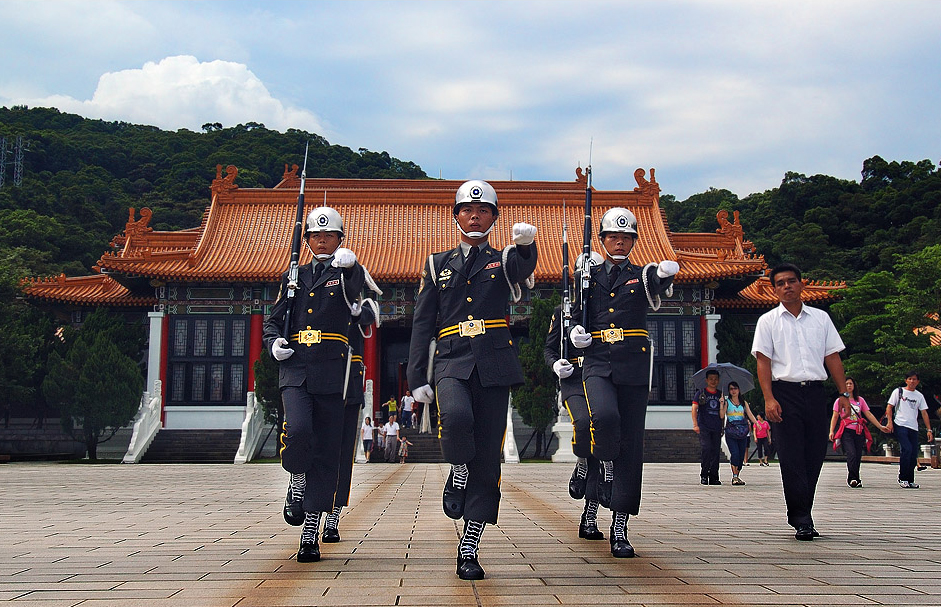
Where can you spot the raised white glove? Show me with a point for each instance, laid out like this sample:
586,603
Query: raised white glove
343,258
279,349
667,268
356,309
580,339
424,394
523,234
563,368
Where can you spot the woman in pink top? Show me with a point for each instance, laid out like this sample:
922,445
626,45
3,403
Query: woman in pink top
762,430
852,432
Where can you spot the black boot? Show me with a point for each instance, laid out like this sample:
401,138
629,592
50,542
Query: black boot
452,499
620,546
577,485
293,510
588,527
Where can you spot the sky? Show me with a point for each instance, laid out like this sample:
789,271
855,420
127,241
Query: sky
730,94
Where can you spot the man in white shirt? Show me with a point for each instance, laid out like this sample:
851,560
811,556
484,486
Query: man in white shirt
795,346
391,432
907,403
408,402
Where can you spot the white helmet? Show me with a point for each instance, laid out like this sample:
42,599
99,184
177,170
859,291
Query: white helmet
596,260
324,219
618,219
476,190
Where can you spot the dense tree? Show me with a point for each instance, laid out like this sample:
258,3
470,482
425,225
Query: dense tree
536,400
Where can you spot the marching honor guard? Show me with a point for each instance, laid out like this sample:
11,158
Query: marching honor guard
314,360
462,302
584,481
618,364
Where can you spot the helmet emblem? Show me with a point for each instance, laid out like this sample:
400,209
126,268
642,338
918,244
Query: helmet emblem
322,220
476,192
622,221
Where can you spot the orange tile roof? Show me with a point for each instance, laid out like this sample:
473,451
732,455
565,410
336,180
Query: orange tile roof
98,289
760,294
393,225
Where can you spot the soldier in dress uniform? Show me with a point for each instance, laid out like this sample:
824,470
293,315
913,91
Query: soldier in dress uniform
365,316
618,364
584,480
462,301
314,356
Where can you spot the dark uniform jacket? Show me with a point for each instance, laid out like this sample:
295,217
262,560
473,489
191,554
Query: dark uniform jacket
319,307
571,385
450,294
623,306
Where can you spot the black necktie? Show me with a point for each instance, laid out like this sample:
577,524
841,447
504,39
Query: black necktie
471,258
318,272
613,274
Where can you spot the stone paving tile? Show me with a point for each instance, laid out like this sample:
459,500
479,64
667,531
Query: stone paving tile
194,536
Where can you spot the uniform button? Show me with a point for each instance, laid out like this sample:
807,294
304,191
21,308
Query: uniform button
493,276
468,282
611,310
470,299
470,317
511,342
643,349
632,290
612,295
311,294
611,325
310,310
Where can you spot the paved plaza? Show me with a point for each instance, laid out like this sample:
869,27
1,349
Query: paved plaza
212,535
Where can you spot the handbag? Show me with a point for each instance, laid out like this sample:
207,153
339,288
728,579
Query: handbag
737,430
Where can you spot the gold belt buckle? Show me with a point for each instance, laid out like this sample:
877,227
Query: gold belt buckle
308,337
612,335
470,328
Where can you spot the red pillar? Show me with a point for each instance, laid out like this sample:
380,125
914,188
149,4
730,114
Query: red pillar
371,360
703,342
254,347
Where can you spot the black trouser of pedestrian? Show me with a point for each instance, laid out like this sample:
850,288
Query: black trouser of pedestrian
311,443
908,456
762,449
618,420
391,448
581,440
472,426
347,454
801,438
710,444
854,445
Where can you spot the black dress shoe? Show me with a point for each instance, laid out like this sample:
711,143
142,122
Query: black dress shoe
453,499
589,531
309,552
604,493
577,485
469,569
703,480
714,481
804,533
330,535
622,549
814,532
293,510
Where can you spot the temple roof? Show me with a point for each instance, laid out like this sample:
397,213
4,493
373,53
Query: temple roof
393,225
760,294
95,290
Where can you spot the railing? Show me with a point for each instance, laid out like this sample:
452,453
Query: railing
251,430
146,424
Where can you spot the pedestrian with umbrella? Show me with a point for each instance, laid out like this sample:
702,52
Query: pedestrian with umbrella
708,413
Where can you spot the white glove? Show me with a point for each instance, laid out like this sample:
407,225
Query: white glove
279,349
356,309
343,258
580,339
424,394
523,234
563,368
667,268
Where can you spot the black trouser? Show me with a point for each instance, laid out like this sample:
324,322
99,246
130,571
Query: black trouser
581,441
763,449
347,454
710,443
618,420
313,426
801,438
853,447
472,426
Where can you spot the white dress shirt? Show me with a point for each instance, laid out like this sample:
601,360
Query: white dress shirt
798,344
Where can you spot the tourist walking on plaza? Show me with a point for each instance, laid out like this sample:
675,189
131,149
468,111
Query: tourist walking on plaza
738,421
762,433
617,367
902,412
313,355
366,431
852,433
795,345
462,300
708,422
391,439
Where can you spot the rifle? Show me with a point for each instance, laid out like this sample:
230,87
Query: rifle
566,296
295,250
586,249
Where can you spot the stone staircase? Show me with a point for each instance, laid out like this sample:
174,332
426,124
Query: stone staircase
193,447
425,449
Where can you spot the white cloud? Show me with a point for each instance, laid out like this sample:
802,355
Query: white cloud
183,92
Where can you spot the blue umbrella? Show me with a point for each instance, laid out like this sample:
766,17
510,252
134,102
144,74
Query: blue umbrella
727,373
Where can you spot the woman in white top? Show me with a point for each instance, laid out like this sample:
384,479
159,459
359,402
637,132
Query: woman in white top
366,433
